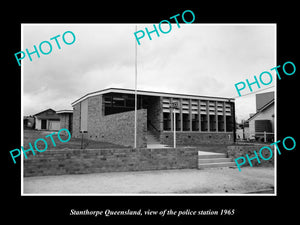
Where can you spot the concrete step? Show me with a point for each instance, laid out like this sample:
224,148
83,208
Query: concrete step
157,146
213,160
151,139
209,155
215,165
153,142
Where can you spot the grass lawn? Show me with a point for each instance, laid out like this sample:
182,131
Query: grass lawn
30,136
222,148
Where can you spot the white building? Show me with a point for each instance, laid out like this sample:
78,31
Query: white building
263,120
47,120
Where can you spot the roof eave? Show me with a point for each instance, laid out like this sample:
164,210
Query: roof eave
262,109
150,93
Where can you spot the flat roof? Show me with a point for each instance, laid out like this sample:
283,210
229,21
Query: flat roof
149,93
64,111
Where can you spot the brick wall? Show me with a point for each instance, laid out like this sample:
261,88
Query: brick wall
116,128
76,120
155,115
79,161
236,151
119,128
95,115
65,122
194,138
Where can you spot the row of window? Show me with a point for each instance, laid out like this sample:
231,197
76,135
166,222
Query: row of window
119,100
190,122
198,106
190,112
117,103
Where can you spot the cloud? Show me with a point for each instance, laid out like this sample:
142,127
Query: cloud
193,59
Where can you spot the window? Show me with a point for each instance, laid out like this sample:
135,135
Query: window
228,109
166,104
203,105
195,122
130,103
118,102
229,123
212,122
186,121
203,122
167,121
220,123
194,107
178,121
185,105
107,100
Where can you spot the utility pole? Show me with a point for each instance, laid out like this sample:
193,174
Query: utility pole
174,105
234,122
135,95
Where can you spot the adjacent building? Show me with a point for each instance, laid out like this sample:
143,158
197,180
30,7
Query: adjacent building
28,122
108,115
66,119
263,120
47,120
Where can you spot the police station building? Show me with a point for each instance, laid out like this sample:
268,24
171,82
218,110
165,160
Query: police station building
108,115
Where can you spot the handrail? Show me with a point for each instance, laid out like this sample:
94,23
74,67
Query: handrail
149,122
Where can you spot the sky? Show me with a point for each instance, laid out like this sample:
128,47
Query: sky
199,59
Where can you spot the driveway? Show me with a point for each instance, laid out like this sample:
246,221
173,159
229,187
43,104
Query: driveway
185,181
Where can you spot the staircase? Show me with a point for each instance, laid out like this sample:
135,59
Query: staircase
153,142
213,160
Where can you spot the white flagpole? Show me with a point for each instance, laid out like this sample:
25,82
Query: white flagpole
174,127
135,95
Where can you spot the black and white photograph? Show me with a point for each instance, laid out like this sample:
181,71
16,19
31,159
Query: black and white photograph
167,114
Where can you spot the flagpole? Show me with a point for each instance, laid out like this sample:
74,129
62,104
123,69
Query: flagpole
135,96
174,127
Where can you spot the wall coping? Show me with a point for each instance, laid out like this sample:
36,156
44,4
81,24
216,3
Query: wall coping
113,149
204,132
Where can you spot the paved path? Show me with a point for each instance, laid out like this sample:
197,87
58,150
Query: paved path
187,181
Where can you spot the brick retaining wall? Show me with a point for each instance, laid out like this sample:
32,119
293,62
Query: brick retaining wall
80,161
194,138
235,151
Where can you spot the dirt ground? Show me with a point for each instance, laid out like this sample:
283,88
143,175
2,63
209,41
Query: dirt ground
188,181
